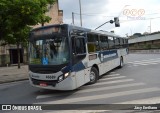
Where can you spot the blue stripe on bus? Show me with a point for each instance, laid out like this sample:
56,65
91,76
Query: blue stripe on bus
109,52
107,55
66,69
78,67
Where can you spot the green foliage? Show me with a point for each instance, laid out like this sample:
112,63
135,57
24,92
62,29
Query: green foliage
17,15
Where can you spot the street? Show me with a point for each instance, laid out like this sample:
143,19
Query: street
136,83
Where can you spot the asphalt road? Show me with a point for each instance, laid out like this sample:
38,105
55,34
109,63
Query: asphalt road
136,83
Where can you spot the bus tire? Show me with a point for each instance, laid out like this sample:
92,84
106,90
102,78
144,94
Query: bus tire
121,62
93,75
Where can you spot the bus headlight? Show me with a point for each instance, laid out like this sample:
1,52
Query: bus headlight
60,78
66,74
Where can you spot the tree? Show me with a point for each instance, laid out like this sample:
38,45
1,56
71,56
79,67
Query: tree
137,34
17,15
44,9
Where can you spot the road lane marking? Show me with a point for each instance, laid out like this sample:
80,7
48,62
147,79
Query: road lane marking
110,82
144,64
152,100
111,75
147,61
108,78
45,96
103,96
92,90
144,60
111,87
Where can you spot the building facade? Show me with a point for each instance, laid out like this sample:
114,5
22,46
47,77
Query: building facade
8,53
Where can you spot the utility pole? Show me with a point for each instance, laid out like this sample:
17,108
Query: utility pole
80,12
150,26
73,18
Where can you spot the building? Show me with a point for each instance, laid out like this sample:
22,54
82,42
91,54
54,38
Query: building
145,42
8,53
54,13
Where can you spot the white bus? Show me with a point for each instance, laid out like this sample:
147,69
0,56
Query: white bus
65,57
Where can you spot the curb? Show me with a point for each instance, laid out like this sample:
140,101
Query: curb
9,81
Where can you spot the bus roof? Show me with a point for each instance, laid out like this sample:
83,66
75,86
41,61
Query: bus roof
81,28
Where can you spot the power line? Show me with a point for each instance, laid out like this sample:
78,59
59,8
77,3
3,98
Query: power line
95,14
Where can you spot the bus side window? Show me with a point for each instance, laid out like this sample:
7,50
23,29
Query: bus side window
117,42
73,45
93,42
111,42
121,42
80,46
104,42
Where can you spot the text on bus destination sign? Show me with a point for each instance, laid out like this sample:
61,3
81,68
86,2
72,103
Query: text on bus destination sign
47,31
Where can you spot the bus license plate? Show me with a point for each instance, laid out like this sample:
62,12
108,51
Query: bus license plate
43,84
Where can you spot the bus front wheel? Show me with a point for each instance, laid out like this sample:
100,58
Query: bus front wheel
93,75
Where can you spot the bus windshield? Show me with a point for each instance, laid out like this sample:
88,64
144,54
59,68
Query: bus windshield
49,51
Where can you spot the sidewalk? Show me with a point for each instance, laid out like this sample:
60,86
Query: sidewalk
11,74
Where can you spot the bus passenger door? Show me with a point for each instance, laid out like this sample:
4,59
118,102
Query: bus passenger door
79,55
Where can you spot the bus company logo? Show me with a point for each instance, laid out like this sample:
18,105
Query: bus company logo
135,14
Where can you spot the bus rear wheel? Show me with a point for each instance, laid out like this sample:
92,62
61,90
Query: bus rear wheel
93,75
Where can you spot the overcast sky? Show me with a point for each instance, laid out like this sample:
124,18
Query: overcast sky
96,12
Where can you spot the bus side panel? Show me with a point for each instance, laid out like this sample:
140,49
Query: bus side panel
96,61
101,69
123,53
107,66
125,59
67,84
82,72
80,78
87,75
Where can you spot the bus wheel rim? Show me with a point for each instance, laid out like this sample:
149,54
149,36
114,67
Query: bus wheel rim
92,76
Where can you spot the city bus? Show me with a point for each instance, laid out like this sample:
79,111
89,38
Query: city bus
65,57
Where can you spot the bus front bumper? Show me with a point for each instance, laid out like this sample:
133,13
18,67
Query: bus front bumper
66,84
